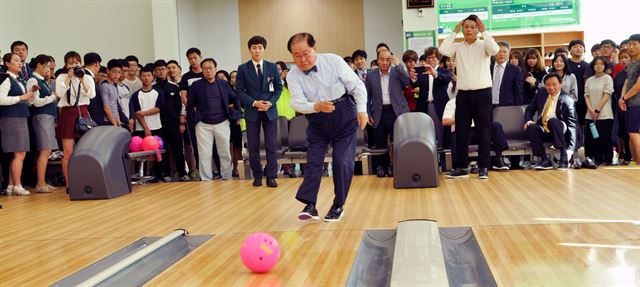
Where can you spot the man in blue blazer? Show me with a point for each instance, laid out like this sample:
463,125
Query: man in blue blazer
557,122
259,86
385,102
507,79
433,84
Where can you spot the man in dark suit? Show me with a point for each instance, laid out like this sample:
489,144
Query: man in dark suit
385,103
557,122
433,83
507,79
259,86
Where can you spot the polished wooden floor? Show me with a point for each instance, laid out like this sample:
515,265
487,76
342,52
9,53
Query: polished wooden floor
572,228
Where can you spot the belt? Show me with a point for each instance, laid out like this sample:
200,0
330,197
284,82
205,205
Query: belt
340,99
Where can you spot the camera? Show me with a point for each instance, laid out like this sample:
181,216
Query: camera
78,72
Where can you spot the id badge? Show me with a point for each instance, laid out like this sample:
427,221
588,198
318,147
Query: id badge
271,89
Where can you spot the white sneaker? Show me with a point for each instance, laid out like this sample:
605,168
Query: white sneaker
19,190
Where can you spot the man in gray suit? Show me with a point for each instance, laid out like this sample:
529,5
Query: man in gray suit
385,103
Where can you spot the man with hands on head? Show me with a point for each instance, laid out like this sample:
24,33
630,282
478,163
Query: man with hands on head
474,101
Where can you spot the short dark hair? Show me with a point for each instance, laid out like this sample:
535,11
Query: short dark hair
373,63
114,63
257,40
382,44
215,64
193,50
132,58
91,58
225,73
610,42
409,55
299,37
504,44
173,62
576,42
19,43
7,57
159,63
348,59
596,58
472,17
52,59
124,63
358,53
595,47
634,37
148,68
552,75
71,55
561,50
102,69
624,42
431,51
422,58
40,59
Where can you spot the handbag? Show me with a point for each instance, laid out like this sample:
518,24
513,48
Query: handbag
234,113
83,124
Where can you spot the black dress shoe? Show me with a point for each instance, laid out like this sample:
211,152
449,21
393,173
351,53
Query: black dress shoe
271,182
544,165
257,182
334,214
588,163
308,212
390,171
458,173
380,171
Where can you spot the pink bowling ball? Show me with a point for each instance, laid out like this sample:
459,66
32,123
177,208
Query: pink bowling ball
160,142
150,143
136,144
260,252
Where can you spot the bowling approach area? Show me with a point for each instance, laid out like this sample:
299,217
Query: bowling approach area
572,228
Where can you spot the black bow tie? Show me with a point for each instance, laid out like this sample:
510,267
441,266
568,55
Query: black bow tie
313,69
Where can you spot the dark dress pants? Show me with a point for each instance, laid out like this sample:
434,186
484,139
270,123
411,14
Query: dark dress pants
384,133
338,129
270,129
173,143
537,136
473,105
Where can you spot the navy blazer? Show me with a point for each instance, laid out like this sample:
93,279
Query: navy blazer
565,111
397,81
511,86
249,89
198,103
440,85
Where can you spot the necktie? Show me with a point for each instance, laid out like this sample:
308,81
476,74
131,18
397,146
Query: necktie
545,113
259,72
313,69
497,80
24,73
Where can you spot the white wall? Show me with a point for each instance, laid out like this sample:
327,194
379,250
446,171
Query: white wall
598,24
165,29
113,29
414,21
382,23
213,27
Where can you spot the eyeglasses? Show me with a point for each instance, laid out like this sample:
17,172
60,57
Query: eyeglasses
606,46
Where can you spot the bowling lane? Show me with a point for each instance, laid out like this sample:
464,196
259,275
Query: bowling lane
42,262
589,254
308,258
